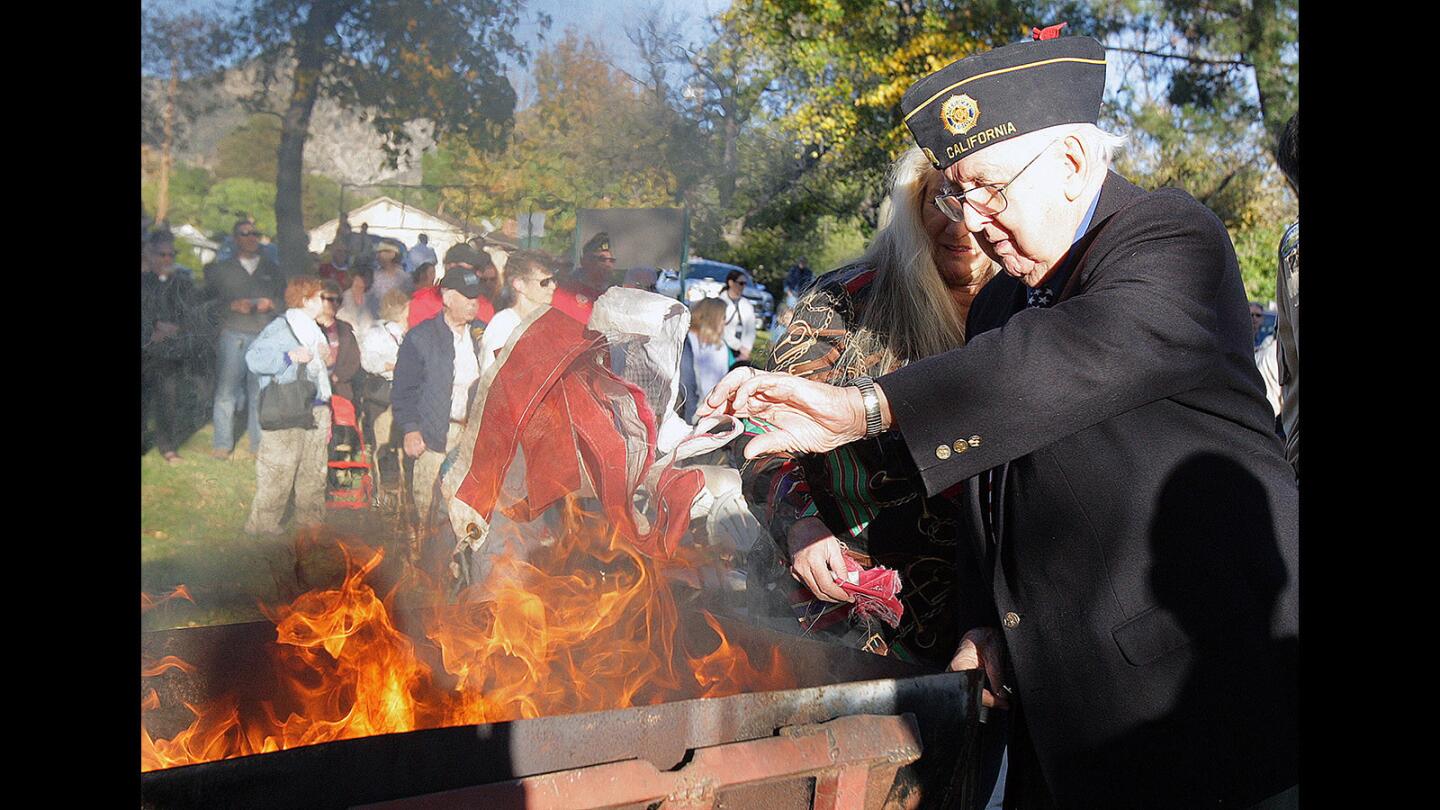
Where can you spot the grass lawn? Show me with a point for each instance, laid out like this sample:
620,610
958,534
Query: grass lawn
760,352
192,517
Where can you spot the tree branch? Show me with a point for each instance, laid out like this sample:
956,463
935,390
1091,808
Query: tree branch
1194,60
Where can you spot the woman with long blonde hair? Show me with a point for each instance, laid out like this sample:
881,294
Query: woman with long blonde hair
704,358
906,298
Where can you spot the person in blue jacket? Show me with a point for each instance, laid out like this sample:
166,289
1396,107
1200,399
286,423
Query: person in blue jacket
292,460
436,371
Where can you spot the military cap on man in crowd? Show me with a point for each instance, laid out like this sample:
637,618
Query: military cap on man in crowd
597,265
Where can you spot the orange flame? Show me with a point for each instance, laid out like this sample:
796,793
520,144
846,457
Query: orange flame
148,602
166,663
581,624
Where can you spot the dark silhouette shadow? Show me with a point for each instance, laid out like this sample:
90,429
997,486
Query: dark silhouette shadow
1224,629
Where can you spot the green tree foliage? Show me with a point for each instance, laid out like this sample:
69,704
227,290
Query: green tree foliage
1206,90
249,150
843,65
1223,49
775,132
393,61
321,199
230,199
586,142
188,188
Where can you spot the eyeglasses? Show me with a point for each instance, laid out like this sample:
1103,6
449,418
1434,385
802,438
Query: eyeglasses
987,200
249,233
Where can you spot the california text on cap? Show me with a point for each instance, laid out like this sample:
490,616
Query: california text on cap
992,97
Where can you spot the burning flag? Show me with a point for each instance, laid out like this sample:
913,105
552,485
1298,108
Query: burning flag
553,419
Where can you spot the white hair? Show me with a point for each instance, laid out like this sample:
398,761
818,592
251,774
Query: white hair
910,313
1103,145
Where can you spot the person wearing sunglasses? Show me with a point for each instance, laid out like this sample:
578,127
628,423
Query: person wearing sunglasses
292,461
530,288
344,357
247,288
169,306
1129,565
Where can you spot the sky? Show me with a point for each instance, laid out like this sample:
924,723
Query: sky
605,20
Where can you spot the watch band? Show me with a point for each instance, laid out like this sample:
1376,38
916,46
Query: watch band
872,405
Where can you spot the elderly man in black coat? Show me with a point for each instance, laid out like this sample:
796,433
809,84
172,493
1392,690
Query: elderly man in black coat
1129,580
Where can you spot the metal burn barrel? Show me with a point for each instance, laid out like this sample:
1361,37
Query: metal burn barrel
860,731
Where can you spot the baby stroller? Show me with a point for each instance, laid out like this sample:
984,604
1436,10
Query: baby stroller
349,483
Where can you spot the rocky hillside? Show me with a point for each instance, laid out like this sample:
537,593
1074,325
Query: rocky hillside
341,145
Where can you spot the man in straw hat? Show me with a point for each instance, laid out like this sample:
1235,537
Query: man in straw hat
1128,572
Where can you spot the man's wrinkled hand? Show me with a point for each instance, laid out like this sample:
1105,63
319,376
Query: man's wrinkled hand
984,648
817,560
805,416
264,305
414,444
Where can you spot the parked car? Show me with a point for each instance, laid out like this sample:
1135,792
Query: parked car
706,279
1267,327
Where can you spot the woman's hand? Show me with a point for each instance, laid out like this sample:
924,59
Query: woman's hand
817,561
300,355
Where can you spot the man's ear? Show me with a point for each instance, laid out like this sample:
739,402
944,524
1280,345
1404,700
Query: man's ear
1077,166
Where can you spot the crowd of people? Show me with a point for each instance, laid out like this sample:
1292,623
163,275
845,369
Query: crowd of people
1035,395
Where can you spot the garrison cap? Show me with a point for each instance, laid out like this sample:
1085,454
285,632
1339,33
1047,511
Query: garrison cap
992,97
599,242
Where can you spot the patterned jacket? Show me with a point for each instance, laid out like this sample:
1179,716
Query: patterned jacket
853,489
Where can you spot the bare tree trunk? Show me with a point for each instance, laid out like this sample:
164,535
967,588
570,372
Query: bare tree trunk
730,155
294,129
162,206
1263,50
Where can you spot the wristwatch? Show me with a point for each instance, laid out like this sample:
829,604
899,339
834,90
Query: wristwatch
872,405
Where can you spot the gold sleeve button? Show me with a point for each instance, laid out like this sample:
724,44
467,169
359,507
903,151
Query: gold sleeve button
942,452
975,441
961,446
